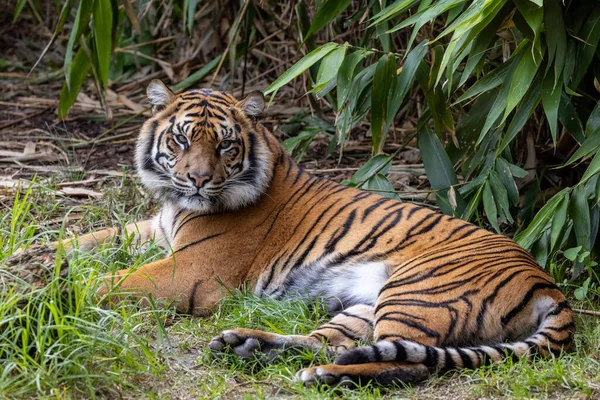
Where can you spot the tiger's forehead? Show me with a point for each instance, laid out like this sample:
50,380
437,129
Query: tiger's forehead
204,112
207,96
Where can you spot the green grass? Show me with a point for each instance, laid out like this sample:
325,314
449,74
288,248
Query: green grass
60,342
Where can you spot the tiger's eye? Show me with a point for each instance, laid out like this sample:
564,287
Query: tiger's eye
181,139
225,145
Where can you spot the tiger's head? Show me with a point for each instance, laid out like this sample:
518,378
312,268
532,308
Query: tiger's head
203,150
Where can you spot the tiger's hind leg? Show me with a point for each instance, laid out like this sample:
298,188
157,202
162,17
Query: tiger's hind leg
384,373
338,335
396,318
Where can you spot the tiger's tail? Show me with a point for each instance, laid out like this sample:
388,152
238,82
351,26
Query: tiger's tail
554,334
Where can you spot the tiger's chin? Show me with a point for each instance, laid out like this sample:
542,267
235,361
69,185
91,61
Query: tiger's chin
230,199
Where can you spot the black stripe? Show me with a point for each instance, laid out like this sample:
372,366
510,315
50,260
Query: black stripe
400,351
449,363
192,306
561,328
334,240
466,360
198,242
432,356
373,207
376,353
559,308
343,329
526,299
390,336
558,342
347,314
421,328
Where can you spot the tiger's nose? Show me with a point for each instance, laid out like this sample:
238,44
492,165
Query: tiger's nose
198,180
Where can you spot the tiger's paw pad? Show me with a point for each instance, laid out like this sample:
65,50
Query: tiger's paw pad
323,374
244,343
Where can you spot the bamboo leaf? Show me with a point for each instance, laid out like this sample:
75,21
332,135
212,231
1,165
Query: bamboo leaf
567,115
503,170
434,95
82,19
489,205
329,67
556,36
385,73
592,125
189,10
541,221
473,204
198,75
580,213
359,91
392,10
532,13
381,185
521,81
64,13
469,126
18,9
551,90
426,13
489,81
592,169
303,26
590,36
524,111
325,14
516,171
501,196
465,28
558,220
439,170
102,21
302,65
592,140
480,46
80,68
346,73
382,27
501,101
405,79
378,164
476,16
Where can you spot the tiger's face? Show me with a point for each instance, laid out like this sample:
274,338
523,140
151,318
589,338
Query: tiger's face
201,149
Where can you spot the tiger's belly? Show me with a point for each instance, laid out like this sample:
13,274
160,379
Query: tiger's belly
340,286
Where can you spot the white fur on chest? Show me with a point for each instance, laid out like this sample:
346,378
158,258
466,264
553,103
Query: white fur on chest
163,224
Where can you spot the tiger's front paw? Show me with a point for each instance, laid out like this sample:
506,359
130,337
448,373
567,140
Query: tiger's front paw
247,343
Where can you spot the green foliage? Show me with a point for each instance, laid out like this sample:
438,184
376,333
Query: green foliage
58,337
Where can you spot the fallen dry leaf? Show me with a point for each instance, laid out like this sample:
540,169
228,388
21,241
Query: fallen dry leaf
80,192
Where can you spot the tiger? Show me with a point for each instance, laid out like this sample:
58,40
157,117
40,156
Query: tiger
428,291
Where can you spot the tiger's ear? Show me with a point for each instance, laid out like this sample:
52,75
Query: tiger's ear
159,95
253,105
